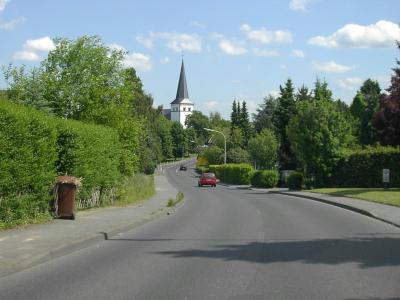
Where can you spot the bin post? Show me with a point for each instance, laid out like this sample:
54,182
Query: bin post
65,192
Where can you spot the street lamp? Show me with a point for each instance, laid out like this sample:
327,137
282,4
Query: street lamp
208,129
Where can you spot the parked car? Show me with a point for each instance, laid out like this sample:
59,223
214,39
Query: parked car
183,168
208,179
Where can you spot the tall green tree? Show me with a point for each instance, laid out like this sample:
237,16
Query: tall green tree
244,123
265,115
371,92
263,149
179,141
321,91
198,121
285,110
319,136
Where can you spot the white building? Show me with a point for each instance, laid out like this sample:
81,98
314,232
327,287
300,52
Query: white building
181,107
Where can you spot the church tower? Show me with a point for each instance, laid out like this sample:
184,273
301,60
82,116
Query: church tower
181,107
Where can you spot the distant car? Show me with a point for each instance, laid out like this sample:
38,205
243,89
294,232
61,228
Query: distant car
208,179
183,168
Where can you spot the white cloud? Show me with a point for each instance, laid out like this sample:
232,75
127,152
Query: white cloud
381,34
231,48
177,42
260,52
198,24
164,60
139,61
211,104
3,4
331,67
146,42
116,47
274,93
11,24
299,4
26,55
351,83
44,44
265,36
297,53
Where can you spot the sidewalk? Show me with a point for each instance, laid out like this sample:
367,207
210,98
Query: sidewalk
386,213
22,248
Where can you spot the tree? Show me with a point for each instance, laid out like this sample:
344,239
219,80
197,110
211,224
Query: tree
235,115
284,111
217,121
213,154
265,115
321,91
303,94
178,139
371,93
263,149
198,122
163,130
319,136
237,155
387,119
244,123
235,138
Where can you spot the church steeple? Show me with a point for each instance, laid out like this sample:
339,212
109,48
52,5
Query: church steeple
182,91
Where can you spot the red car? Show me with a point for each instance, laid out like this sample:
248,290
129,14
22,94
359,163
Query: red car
208,179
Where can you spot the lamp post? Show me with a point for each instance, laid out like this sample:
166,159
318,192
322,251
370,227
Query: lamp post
208,129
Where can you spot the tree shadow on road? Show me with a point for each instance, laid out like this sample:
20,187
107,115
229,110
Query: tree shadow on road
368,252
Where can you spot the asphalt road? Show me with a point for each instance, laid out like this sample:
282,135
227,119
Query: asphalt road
228,243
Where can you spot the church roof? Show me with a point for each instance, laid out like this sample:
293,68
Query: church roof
182,92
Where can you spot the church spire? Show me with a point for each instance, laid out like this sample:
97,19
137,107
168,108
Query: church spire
182,92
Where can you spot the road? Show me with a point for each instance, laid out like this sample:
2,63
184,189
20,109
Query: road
228,243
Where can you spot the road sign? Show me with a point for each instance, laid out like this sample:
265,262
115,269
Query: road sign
386,175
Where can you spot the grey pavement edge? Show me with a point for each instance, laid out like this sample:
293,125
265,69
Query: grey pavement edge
22,248
386,213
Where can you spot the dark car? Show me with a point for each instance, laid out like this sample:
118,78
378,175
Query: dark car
208,179
183,168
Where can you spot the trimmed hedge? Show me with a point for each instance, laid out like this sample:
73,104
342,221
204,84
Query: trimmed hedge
233,173
90,152
363,168
35,148
295,181
265,178
28,152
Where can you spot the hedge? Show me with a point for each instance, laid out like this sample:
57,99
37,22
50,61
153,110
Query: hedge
92,153
295,181
265,178
28,153
35,148
233,173
363,168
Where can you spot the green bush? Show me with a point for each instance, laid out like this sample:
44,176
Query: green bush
28,152
265,178
295,181
363,168
233,173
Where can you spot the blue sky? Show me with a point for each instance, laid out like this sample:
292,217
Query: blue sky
239,50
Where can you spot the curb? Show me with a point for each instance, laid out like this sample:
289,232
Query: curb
341,205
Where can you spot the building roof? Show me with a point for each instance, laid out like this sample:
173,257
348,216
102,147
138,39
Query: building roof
182,92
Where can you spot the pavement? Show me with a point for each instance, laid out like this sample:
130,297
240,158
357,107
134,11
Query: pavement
25,247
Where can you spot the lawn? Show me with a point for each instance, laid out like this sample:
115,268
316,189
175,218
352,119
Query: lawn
390,196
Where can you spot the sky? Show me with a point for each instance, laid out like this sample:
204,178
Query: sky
232,50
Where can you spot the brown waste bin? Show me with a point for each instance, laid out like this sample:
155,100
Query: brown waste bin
65,191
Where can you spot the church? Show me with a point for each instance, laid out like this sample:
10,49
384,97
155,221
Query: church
181,107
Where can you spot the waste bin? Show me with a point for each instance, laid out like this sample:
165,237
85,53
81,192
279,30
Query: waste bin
64,194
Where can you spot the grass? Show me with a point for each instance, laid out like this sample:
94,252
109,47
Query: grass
389,196
178,198
136,188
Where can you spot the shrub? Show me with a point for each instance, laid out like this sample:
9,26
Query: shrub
265,178
233,173
295,181
363,168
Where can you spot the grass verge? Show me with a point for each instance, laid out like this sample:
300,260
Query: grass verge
172,202
389,196
136,188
